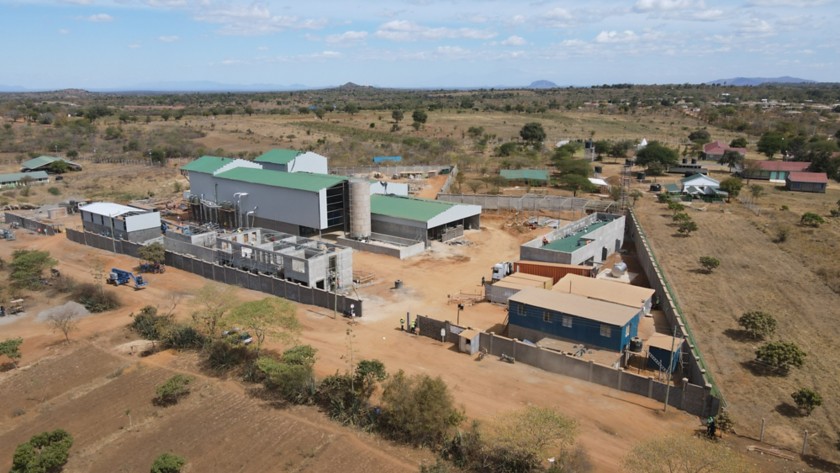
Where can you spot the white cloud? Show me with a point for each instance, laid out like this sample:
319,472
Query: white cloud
347,37
663,5
517,20
616,37
100,18
166,3
787,3
63,31
262,48
134,46
707,15
515,41
326,54
254,19
558,18
401,30
168,39
452,51
756,27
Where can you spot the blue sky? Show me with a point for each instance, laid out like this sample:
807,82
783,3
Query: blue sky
97,44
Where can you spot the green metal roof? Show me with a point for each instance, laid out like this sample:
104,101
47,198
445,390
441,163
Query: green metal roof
418,210
40,161
570,243
206,164
305,181
278,156
17,176
672,188
524,174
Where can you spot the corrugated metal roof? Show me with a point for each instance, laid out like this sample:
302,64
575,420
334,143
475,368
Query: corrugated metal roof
110,209
418,210
17,176
813,177
664,342
790,166
206,164
572,304
610,291
304,181
35,163
278,156
524,174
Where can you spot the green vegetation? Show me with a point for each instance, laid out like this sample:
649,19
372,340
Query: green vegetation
95,298
760,325
806,400
533,133
732,186
28,268
153,253
168,463
684,454
271,316
172,390
346,397
46,452
291,377
10,348
709,263
655,153
686,227
781,356
810,219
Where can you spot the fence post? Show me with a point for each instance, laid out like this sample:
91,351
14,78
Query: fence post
592,369
761,435
650,387
805,443
620,376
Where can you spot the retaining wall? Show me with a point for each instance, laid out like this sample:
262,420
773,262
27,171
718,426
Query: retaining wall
696,400
397,252
228,275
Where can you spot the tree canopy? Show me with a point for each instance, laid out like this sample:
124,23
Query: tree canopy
11,349
684,454
271,316
28,267
657,153
770,143
43,453
153,253
533,133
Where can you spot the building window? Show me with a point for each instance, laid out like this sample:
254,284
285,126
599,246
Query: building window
606,331
627,331
547,317
520,309
567,321
298,266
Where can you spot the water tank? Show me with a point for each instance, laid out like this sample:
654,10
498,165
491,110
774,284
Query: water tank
359,209
636,344
619,269
599,169
640,176
693,160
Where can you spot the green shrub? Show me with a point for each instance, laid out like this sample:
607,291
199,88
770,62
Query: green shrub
149,325
172,390
810,219
168,463
758,324
183,337
54,191
291,377
28,267
44,453
807,400
95,298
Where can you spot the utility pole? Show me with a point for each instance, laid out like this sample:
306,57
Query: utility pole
670,369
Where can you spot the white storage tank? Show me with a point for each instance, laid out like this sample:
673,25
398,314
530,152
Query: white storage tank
359,209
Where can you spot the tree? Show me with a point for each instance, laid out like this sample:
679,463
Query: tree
46,452
10,347
732,186
758,324
215,302
529,435
739,142
675,207
620,149
576,183
806,400
249,110
810,219
756,191
533,133
700,136
636,194
28,267
680,217
96,111
172,390
397,115
684,454
770,143
731,159
346,397
419,117
709,263
351,108
166,115
270,316
686,227
168,463
475,185
657,153
153,253
418,409
64,320
781,356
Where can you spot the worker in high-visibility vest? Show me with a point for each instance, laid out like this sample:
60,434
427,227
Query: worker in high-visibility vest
402,324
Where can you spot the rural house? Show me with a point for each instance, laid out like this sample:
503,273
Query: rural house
18,179
698,186
777,171
533,177
43,163
715,150
806,182
534,313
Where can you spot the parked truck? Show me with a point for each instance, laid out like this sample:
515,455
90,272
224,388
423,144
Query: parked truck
119,277
500,270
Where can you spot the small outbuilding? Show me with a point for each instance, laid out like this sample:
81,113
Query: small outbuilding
290,160
121,221
536,177
807,182
468,341
19,179
660,354
46,163
386,159
421,219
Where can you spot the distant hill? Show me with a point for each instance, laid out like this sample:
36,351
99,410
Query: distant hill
12,88
542,84
203,86
747,81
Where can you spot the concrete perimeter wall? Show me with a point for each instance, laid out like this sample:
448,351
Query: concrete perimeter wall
696,400
694,367
30,223
528,202
397,252
228,275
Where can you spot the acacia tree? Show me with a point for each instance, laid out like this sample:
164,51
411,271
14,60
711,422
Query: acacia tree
419,117
709,263
153,253
214,303
168,463
781,356
271,316
28,268
11,349
533,133
44,452
529,435
732,186
655,153
64,320
806,400
758,324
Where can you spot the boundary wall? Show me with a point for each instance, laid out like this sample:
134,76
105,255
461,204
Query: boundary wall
694,366
528,202
228,275
401,252
30,223
691,398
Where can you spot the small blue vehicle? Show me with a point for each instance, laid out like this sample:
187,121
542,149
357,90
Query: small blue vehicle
119,277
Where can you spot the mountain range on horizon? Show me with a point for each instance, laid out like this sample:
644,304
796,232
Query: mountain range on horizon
211,86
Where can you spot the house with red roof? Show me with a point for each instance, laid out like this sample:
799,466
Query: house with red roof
773,170
806,182
716,149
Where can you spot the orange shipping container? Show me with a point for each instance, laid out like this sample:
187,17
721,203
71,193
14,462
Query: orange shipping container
555,271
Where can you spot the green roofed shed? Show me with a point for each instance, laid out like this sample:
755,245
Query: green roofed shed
41,162
206,164
299,180
418,210
540,175
278,156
